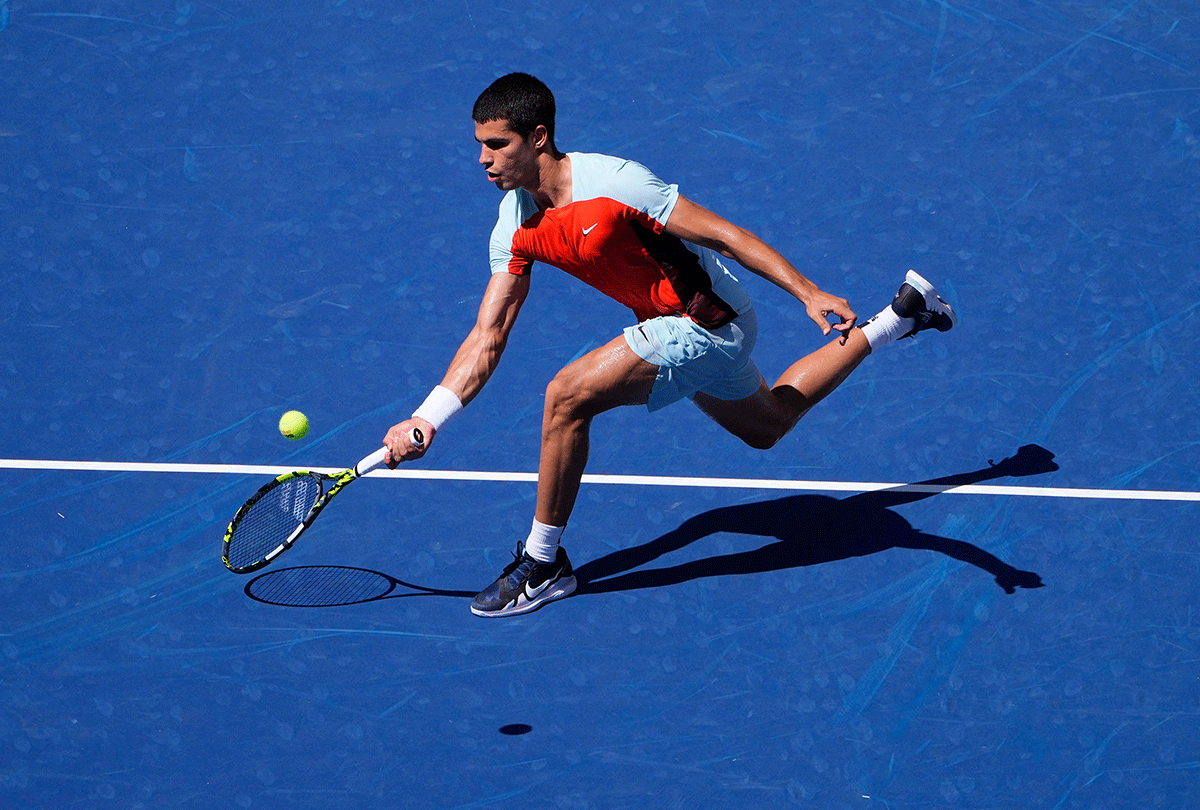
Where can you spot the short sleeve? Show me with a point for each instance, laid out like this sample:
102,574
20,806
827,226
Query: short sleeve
516,207
626,181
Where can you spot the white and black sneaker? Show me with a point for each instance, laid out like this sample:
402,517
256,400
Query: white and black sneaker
917,299
526,585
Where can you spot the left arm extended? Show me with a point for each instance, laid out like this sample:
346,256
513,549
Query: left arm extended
698,225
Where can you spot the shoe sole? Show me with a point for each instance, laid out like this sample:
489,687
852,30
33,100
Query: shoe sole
933,301
561,589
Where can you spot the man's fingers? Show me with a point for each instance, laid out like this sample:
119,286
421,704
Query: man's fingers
404,446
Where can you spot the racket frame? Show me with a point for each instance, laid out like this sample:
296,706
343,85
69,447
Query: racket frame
340,481
323,498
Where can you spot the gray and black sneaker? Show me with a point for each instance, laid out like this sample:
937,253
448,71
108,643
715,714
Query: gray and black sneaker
917,299
526,585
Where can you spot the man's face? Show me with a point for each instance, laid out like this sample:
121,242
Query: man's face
509,159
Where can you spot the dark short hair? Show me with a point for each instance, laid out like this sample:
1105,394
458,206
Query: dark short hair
521,100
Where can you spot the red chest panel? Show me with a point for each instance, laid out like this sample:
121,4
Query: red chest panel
598,242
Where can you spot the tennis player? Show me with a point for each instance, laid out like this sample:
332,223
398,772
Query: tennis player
617,227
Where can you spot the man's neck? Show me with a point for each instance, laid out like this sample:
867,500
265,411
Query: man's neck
553,189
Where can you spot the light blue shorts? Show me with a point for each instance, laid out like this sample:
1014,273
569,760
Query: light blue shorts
691,358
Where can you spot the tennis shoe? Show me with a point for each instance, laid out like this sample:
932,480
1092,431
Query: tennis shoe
917,299
526,585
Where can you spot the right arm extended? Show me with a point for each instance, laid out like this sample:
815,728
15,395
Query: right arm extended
473,363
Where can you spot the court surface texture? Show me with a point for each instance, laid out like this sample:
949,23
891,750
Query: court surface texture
966,580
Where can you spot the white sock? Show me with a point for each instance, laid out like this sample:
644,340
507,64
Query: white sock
886,327
543,540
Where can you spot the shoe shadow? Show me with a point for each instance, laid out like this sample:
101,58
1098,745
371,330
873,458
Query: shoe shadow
813,529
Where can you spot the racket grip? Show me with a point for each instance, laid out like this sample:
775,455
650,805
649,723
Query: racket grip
370,462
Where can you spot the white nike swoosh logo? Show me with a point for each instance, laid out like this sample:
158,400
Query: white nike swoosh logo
533,593
586,231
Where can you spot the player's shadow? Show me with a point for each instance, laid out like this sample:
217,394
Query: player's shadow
813,529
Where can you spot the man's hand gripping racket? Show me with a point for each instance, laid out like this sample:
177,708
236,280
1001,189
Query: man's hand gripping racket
271,521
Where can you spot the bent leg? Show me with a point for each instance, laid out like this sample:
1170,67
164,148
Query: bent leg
766,416
606,378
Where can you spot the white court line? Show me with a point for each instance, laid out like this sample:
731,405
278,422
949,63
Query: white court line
626,480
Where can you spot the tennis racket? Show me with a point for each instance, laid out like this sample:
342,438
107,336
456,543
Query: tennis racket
274,518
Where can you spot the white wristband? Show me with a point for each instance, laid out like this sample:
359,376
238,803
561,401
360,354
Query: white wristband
439,407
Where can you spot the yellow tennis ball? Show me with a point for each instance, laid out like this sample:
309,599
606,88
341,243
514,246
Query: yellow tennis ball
294,425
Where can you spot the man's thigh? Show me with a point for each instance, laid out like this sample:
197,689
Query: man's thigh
605,378
758,420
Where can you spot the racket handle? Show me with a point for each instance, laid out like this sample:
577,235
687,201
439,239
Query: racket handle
370,462
376,459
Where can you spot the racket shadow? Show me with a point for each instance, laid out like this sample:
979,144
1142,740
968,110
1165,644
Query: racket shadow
333,586
813,529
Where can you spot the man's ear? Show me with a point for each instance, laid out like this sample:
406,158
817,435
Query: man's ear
540,138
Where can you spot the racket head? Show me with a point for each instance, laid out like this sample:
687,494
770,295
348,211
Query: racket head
267,524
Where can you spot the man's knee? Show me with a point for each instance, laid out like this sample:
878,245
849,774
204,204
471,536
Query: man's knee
762,437
565,396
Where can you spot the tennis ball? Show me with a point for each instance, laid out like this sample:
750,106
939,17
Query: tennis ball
294,425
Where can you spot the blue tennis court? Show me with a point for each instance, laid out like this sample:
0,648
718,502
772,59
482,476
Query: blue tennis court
966,580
